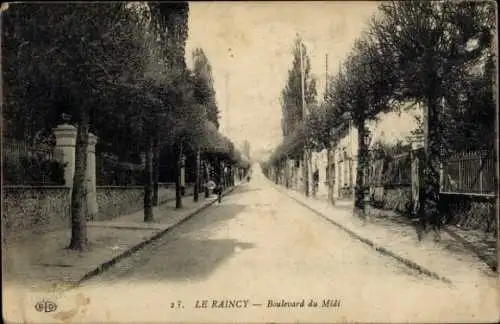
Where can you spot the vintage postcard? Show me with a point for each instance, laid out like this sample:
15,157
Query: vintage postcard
264,162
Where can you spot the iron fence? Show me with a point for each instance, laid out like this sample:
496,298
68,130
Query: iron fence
16,150
110,171
392,171
24,164
470,172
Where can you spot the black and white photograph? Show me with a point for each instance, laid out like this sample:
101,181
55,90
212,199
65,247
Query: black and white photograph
250,162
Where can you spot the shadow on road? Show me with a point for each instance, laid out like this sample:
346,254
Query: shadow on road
185,253
211,217
186,258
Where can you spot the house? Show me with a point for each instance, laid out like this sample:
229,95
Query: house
389,128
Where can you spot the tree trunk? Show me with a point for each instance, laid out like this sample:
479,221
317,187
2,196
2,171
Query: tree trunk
178,196
305,172
207,178
359,191
200,175
430,215
148,186
230,175
197,179
221,175
156,176
329,175
79,240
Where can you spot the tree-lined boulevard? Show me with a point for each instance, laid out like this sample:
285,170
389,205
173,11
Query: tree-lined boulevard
124,201
263,251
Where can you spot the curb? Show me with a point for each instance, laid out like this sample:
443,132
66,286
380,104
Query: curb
489,262
107,264
409,263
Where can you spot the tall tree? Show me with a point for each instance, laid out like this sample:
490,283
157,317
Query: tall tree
204,85
291,95
84,63
204,94
300,84
170,22
368,89
431,41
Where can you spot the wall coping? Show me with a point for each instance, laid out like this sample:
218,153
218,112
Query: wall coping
469,195
35,187
394,185
120,187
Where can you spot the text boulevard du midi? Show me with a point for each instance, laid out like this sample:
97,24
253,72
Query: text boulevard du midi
245,303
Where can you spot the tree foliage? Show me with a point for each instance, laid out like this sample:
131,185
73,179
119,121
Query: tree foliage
436,45
118,70
204,85
437,54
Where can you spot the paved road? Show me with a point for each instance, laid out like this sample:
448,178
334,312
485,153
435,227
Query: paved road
259,245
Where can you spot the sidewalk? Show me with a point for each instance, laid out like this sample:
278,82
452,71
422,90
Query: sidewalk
399,240
43,262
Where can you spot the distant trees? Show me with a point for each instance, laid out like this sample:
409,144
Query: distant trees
246,148
291,95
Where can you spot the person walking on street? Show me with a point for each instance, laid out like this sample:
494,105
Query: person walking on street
219,192
315,182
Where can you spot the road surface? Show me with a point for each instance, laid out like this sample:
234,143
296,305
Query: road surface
259,248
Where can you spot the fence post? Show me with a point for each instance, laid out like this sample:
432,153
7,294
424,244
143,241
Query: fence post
480,174
460,174
441,176
91,177
416,147
65,143
183,175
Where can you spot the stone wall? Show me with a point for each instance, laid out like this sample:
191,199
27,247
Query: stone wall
396,198
469,211
473,212
30,209
114,201
34,209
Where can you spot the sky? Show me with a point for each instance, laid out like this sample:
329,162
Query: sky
251,43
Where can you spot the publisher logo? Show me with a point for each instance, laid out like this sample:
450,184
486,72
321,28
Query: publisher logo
45,306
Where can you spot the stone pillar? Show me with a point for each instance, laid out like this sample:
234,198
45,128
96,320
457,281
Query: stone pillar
338,174
90,175
65,145
206,179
